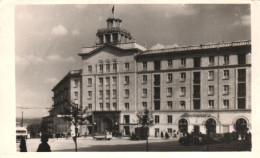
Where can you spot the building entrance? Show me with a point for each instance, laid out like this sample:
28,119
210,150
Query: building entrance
183,125
107,125
211,125
241,125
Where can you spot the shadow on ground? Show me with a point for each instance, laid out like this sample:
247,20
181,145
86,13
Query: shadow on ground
165,146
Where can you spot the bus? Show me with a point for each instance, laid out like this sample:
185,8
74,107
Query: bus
21,132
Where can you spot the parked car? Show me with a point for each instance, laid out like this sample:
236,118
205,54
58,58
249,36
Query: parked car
103,136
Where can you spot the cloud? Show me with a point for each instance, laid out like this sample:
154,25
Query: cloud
51,80
179,10
160,46
26,60
244,20
80,6
59,30
57,58
75,32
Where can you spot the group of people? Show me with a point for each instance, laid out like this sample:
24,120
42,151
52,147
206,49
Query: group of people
43,147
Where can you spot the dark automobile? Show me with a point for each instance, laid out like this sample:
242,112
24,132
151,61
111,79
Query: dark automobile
198,139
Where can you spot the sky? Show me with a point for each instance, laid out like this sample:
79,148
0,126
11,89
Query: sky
49,37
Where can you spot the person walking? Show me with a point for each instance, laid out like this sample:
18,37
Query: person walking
23,147
44,146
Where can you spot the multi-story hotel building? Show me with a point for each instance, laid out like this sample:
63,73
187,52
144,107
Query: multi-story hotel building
186,88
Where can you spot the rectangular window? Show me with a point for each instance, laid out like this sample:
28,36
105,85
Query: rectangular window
183,77
127,106
241,58
226,60
182,103
226,74
108,106
241,103
157,80
183,62
114,80
75,95
241,89
89,94
169,92
211,76
157,119
144,65
101,106
226,104
169,78
144,79
126,79
107,93
196,77
144,93
100,94
169,103
107,67
114,106
107,80
101,67
89,106
90,69
211,90
183,91
157,105
100,81
144,105
196,62
211,104
157,65
126,119
169,62
127,66
114,93
241,75
211,60
196,104
76,83
89,81
226,90
169,118
126,93
114,66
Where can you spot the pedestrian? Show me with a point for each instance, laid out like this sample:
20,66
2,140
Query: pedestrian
166,135
162,134
44,146
23,147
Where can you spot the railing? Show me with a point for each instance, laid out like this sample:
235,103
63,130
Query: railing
198,47
113,29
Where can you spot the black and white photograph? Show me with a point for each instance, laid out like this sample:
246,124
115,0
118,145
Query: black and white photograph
133,77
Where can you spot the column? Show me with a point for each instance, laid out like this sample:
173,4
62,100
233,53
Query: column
111,38
104,38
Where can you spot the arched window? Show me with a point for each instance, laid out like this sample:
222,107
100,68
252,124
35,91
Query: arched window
114,66
241,125
107,66
211,125
183,125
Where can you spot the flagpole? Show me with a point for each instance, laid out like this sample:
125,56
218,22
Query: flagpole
113,12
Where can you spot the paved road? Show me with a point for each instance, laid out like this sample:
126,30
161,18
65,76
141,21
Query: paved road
62,145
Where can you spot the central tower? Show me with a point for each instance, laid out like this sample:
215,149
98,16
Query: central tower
114,33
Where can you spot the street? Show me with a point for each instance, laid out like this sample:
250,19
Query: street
124,144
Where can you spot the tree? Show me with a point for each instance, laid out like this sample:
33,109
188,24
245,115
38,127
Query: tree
77,116
145,120
34,129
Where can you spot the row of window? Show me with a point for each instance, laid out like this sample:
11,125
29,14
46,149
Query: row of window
144,92
169,105
144,78
157,64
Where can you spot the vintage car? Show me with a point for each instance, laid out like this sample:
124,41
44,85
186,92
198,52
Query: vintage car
103,136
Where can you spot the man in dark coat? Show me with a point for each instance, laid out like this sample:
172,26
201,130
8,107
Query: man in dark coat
44,146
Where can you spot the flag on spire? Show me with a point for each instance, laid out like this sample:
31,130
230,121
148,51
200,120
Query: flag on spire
113,9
